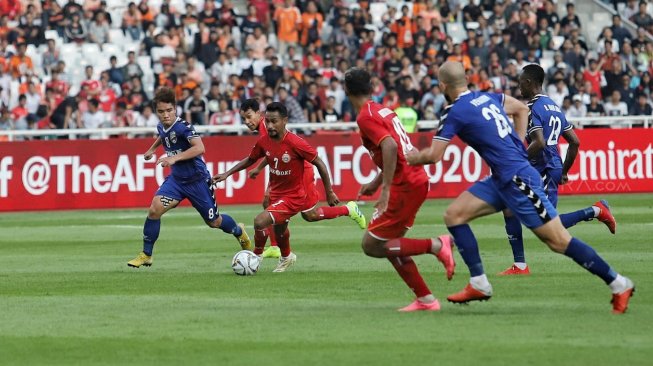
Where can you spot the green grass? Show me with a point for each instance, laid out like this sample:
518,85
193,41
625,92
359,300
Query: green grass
67,296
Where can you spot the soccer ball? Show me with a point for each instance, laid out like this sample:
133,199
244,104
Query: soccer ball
245,263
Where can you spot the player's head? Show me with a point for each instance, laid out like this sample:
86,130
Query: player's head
276,117
357,83
165,105
250,113
452,79
531,80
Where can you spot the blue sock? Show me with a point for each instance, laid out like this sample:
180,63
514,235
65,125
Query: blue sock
513,229
467,247
150,234
573,218
229,226
587,257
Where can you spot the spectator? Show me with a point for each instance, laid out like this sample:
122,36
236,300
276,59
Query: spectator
131,68
630,9
595,108
642,18
619,32
226,116
289,20
407,115
311,24
250,22
258,42
76,31
558,91
295,113
65,115
606,35
577,109
33,98
20,111
615,107
93,117
20,63
329,112
627,92
146,118
571,20
196,108
273,73
99,30
131,22
642,107
50,57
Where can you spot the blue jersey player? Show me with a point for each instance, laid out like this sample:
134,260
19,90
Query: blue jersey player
481,121
546,123
189,178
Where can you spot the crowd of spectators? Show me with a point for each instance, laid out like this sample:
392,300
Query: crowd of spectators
296,52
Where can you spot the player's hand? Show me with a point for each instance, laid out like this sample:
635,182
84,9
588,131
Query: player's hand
148,155
366,190
382,203
332,199
412,157
167,161
220,178
253,173
564,179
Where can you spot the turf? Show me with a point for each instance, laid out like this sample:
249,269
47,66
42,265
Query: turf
67,296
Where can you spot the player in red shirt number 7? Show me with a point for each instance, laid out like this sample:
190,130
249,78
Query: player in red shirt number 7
286,154
403,190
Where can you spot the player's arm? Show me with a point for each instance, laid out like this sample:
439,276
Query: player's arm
152,149
259,168
574,143
389,152
331,197
371,187
196,149
243,164
430,155
537,143
519,113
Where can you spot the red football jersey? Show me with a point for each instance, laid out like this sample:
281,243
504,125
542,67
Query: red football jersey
308,167
377,122
286,160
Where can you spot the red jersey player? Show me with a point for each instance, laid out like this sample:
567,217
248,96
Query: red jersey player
403,190
289,158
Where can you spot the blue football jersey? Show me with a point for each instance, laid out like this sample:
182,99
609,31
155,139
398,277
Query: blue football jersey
479,120
545,115
175,140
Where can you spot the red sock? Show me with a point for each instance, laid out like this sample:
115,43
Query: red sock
407,269
273,237
260,237
404,247
326,212
284,243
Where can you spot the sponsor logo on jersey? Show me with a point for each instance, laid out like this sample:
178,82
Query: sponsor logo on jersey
280,172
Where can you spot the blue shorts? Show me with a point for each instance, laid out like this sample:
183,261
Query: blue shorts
199,193
551,179
523,195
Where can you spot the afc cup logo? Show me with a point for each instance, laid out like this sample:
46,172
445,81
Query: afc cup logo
285,158
173,137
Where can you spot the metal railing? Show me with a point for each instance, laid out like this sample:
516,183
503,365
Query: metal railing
104,133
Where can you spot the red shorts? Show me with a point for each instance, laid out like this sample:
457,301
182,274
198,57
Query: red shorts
312,195
283,208
400,214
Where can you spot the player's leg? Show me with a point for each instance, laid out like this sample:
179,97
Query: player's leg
384,239
166,198
529,202
261,236
202,197
278,215
559,240
600,210
480,200
516,240
313,213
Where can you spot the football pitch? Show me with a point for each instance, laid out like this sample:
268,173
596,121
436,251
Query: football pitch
67,296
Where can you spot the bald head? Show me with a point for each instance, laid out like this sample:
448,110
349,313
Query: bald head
453,74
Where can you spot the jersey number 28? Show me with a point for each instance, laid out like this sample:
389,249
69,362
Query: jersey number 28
494,113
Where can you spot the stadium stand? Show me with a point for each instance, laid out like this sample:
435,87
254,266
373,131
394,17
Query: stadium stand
241,49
